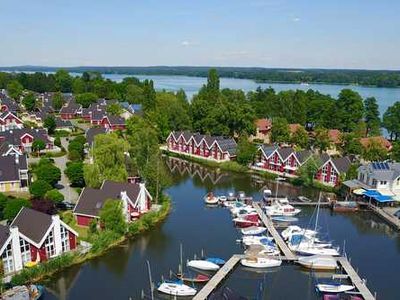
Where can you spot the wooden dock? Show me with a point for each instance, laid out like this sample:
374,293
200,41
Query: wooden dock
218,277
355,278
312,203
289,255
390,219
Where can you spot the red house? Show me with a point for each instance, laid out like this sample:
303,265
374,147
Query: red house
23,138
135,199
34,237
70,110
113,122
9,121
331,169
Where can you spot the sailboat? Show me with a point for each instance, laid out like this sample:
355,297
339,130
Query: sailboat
294,229
334,288
198,278
176,288
260,262
203,265
318,262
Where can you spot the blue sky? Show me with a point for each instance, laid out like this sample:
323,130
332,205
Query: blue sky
264,33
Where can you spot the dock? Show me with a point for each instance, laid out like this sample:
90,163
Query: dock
355,278
218,277
390,219
289,255
312,203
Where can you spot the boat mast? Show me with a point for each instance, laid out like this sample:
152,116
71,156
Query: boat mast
316,218
151,281
181,256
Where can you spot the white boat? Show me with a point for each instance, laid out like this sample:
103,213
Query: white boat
281,207
203,265
260,250
222,199
253,230
242,209
257,240
334,288
260,262
303,199
210,199
176,288
318,262
294,229
308,246
247,214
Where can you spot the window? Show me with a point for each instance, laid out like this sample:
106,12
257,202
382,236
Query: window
49,245
8,261
64,239
25,251
374,182
383,182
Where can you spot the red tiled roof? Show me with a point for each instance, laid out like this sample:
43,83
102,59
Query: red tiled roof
379,139
263,124
334,135
293,127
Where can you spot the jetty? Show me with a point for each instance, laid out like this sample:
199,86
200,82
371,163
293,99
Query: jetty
218,277
390,219
287,253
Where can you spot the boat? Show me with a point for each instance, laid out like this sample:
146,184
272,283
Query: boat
256,240
222,199
345,206
281,207
253,230
318,262
260,262
243,210
334,288
198,278
303,199
294,229
203,265
244,223
330,296
286,219
176,288
210,199
231,196
22,292
308,246
216,260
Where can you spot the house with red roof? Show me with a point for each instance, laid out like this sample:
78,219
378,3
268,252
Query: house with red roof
263,130
331,169
366,141
24,138
34,237
9,121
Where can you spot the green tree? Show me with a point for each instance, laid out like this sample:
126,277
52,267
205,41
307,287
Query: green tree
38,145
86,99
3,202
54,195
395,153
63,81
322,140
114,109
391,120
74,172
350,109
308,170
50,124
280,130
58,101
57,142
13,206
48,172
15,89
29,101
374,151
213,82
134,94
352,172
76,148
149,95
112,217
300,138
39,188
372,119
246,151
350,144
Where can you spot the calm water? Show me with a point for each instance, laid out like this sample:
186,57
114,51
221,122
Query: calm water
121,273
191,85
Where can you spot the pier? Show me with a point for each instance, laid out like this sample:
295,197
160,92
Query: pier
218,277
390,219
289,255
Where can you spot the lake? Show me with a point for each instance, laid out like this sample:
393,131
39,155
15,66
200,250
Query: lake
191,85
373,247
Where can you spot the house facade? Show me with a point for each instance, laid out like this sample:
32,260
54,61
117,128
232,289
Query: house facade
9,121
14,175
203,146
135,199
34,237
263,130
24,138
331,169
70,110
383,177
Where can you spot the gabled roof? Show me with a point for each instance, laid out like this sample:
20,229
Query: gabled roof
342,164
63,123
303,155
32,224
10,166
285,152
388,171
324,158
71,108
227,145
92,132
268,150
334,135
14,136
115,120
4,235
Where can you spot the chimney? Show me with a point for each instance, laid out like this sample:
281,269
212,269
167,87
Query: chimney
16,159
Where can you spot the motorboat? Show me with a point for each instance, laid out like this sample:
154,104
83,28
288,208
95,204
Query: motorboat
261,250
231,197
222,199
203,265
198,278
329,296
245,214
216,260
244,223
260,262
234,204
176,288
303,199
281,207
334,288
210,199
307,246
345,206
284,219
294,229
242,210
257,240
318,262
253,230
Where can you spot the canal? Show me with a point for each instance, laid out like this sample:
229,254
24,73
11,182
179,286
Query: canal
374,248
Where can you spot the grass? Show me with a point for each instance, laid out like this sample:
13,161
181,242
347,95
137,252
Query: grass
69,219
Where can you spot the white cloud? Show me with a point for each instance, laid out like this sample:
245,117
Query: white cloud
188,43
296,19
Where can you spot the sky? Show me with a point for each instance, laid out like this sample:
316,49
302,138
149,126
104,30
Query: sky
362,34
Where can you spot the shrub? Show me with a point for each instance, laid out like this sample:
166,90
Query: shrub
54,195
39,188
13,206
57,141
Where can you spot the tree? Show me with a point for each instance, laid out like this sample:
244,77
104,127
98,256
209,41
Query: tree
86,99
280,130
76,148
58,101
300,138
322,140
112,217
50,124
57,142
395,153
54,195
114,109
352,172
245,151
213,82
372,119
374,151
39,188
14,89
3,202
29,102
350,109
63,81
38,145
48,172
308,170
149,95
350,144
391,120
44,206
74,172
13,206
